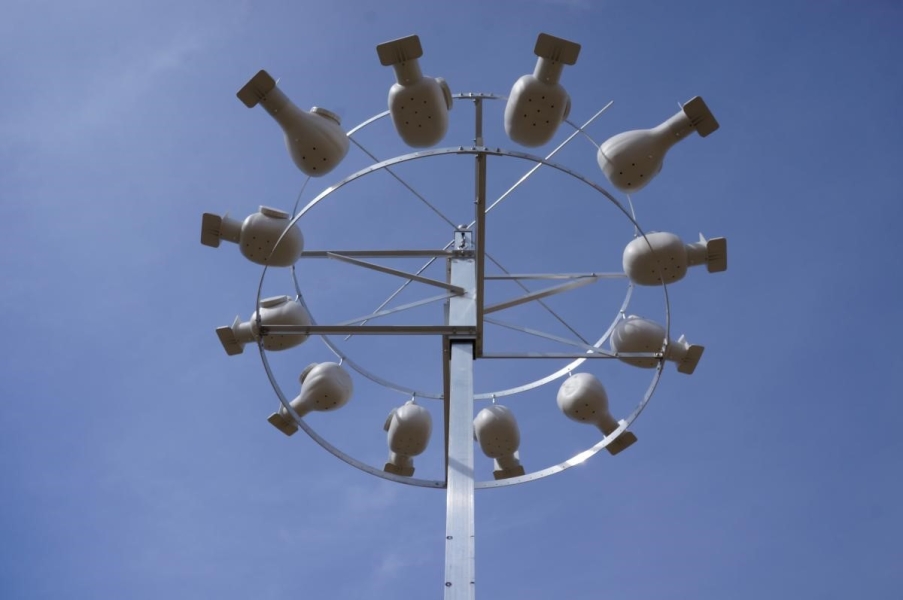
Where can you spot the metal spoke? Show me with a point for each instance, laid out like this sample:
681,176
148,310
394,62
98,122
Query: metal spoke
535,332
389,271
377,253
405,184
540,302
397,309
367,330
547,355
636,228
543,293
558,276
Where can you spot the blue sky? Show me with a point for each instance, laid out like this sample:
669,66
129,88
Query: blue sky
136,457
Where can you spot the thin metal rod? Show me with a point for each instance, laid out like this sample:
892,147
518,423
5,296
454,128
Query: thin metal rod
377,253
396,272
544,293
397,309
548,308
405,184
367,329
636,228
567,355
558,276
582,129
549,336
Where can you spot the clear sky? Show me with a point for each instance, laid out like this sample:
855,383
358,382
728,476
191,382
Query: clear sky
135,455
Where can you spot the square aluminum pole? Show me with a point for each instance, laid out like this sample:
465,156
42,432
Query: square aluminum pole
479,222
459,354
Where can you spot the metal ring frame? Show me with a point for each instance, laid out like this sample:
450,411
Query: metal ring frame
434,483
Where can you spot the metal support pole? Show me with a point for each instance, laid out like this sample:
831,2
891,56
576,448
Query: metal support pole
480,222
459,514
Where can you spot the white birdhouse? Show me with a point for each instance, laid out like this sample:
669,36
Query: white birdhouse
583,398
638,335
314,139
408,430
257,236
663,255
538,104
279,310
495,428
324,387
419,105
632,159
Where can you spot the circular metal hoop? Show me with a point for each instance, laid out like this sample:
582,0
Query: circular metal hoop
461,150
